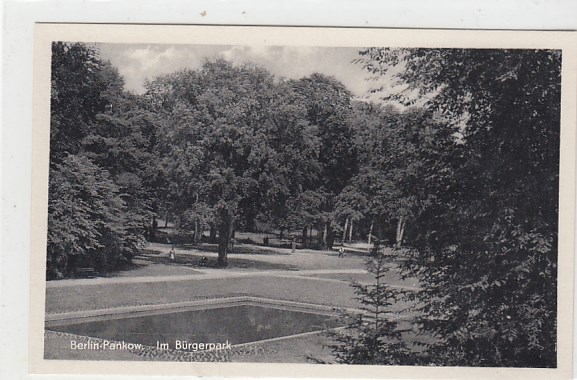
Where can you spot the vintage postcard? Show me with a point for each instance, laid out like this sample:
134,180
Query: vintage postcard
319,202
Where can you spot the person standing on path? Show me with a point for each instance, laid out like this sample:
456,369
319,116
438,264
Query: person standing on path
171,254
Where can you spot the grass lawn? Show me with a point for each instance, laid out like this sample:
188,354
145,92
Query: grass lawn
95,297
275,273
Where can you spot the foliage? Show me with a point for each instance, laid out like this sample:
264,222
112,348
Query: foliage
76,96
392,148
100,152
292,168
216,146
88,223
328,105
485,239
250,147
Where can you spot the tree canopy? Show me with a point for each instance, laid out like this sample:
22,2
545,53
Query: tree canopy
485,237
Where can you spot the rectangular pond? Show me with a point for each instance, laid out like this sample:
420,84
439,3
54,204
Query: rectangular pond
235,324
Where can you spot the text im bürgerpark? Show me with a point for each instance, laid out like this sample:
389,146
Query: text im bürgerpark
122,345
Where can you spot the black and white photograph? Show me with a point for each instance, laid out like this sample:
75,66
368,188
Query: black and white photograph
368,205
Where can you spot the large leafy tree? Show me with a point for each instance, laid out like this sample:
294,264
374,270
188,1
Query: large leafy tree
393,147
76,96
286,145
329,105
234,144
99,150
292,167
121,141
87,219
485,242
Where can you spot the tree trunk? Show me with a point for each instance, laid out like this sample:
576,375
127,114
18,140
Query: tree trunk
351,232
330,236
371,231
280,234
325,234
231,238
310,235
153,228
224,235
222,247
304,237
400,231
345,231
195,239
166,220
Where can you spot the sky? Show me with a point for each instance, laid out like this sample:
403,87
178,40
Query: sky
138,62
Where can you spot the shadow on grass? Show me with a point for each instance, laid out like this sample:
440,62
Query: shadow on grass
245,249
143,257
195,261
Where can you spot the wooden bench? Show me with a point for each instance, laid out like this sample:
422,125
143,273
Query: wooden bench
86,272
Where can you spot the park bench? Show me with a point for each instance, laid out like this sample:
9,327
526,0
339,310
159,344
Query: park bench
86,272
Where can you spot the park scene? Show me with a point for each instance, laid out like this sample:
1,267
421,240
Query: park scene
319,205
